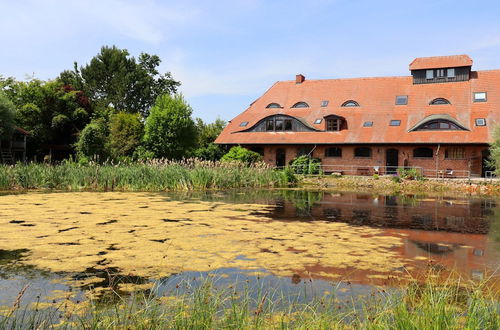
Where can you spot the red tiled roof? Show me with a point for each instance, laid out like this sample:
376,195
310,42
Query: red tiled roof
376,97
437,62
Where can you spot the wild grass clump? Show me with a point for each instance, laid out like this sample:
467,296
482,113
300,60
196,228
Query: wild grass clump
429,305
154,175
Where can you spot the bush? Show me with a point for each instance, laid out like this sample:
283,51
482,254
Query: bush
242,155
396,179
410,174
92,140
306,165
125,134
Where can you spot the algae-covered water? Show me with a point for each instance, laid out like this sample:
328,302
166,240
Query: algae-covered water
79,244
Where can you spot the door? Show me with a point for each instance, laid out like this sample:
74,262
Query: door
280,157
391,161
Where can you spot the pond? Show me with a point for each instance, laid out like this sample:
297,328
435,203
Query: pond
80,244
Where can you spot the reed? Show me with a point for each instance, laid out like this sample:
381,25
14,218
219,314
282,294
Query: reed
155,175
429,305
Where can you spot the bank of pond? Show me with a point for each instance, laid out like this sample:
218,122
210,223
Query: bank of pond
248,259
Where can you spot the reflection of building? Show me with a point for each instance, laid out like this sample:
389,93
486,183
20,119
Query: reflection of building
450,232
439,118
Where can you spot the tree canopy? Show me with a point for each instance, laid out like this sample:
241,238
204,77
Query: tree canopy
7,111
170,132
114,78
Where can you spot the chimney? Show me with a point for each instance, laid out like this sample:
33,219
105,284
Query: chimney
299,79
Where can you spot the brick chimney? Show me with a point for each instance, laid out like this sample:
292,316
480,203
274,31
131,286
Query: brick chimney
299,79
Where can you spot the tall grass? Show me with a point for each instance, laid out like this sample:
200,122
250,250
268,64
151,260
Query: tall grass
430,305
157,175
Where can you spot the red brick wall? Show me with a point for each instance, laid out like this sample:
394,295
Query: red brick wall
471,162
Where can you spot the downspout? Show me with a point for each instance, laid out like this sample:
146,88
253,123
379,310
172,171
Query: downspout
312,150
437,159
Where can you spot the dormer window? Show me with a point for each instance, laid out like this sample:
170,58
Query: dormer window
350,103
451,73
300,105
441,125
429,74
333,124
273,106
439,101
324,104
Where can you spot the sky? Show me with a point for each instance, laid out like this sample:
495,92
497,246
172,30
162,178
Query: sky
227,53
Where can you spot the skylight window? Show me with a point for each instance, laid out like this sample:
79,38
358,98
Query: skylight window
368,124
318,121
244,123
324,104
350,103
273,106
480,122
395,123
480,97
402,100
300,105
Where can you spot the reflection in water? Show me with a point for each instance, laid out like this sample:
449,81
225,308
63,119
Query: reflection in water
114,240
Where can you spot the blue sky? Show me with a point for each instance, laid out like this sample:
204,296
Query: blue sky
227,53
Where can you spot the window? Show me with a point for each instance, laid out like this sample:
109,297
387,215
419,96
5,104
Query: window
273,106
270,125
300,105
333,124
480,97
395,123
288,124
480,122
402,100
333,152
318,121
368,124
324,103
440,73
439,100
429,74
363,152
451,73
440,124
350,103
278,125
244,123
454,153
422,153
304,151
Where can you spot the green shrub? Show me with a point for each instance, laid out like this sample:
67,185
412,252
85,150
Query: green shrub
396,179
242,155
376,176
306,165
410,174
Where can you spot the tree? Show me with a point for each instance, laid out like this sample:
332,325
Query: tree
170,131
207,133
115,78
7,110
125,134
92,141
53,113
494,161
241,154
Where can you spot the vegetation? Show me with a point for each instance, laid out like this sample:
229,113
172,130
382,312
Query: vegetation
169,130
156,175
410,174
306,165
430,305
242,155
207,133
494,161
7,111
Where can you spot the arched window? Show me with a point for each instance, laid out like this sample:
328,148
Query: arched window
363,152
423,153
333,152
440,124
273,106
300,105
350,103
439,100
335,123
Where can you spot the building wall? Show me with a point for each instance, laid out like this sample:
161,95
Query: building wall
472,161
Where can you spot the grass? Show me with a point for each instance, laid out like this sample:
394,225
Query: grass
429,305
158,175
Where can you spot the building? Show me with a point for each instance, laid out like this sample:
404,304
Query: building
13,149
439,119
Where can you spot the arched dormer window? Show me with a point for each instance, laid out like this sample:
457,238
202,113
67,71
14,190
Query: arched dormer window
300,105
350,103
273,106
439,122
439,100
335,123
